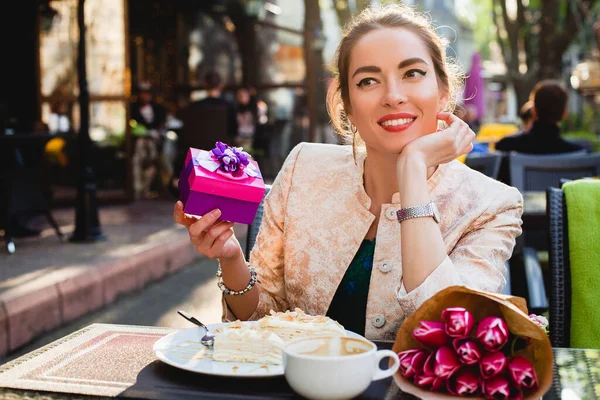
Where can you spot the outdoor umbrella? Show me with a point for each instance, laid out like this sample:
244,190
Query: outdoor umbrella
474,92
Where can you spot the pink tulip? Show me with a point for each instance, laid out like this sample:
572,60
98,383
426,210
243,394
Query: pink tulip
496,388
465,382
428,380
492,332
492,364
459,322
431,334
411,362
468,351
446,362
522,373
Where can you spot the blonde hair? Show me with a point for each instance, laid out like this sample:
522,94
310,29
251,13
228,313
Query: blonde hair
448,73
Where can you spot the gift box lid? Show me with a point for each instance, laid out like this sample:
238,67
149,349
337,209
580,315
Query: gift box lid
201,180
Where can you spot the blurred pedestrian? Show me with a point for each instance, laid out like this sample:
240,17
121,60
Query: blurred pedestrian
209,120
148,121
246,115
549,108
146,111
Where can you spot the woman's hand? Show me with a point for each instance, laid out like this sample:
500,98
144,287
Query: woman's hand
442,146
212,238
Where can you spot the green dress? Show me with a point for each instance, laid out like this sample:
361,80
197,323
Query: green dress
349,304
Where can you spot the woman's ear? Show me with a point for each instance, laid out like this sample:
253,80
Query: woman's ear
443,102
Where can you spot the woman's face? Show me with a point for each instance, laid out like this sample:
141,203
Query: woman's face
394,91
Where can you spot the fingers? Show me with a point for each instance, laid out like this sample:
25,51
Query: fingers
449,118
180,217
178,212
220,241
207,220
464,139
212,241
213,233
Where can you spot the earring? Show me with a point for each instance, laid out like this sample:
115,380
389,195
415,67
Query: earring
353,128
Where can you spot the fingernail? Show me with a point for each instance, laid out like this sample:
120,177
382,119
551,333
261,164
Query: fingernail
216,212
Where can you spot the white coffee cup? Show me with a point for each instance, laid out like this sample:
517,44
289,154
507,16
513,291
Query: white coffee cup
330,368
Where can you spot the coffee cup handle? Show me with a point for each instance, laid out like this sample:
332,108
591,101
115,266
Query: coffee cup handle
384,373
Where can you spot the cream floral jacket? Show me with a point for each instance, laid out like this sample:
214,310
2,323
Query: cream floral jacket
317,214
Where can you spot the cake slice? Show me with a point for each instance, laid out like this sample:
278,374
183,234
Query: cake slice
248,344
293,324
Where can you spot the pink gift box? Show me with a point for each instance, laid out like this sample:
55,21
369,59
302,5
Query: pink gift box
202,191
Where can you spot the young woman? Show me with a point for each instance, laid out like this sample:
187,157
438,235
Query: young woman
365,233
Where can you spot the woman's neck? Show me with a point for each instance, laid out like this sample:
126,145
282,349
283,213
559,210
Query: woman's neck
380,178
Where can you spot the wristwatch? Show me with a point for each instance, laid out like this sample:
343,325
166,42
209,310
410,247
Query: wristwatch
426,210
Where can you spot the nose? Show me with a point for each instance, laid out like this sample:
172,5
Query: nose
394,95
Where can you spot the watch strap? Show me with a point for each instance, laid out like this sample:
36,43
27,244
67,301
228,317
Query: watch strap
425,210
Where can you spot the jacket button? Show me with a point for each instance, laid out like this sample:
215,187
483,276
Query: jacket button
385,266
378,320
390,213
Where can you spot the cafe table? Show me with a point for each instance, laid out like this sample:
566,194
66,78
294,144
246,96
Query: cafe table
107,361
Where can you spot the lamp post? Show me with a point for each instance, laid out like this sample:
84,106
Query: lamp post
87,224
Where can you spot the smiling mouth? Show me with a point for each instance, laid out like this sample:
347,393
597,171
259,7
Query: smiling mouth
397,122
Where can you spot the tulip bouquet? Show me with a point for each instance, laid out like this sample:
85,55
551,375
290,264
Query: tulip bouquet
464,342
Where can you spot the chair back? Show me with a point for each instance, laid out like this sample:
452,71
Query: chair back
203,125
538,172
560,271
487,164
254,227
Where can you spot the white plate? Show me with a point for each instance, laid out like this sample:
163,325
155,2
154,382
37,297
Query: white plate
182,349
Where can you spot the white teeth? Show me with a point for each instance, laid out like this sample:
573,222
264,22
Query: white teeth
396,122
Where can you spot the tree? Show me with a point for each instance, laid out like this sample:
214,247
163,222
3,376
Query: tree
315,78
534,36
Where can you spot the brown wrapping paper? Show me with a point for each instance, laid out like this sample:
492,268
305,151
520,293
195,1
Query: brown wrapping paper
480,304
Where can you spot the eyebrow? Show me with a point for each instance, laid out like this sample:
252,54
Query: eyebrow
411,61
403,64
366,68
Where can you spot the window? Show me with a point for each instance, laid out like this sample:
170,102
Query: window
106,67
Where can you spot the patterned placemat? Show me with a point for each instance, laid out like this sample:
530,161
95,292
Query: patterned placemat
101,360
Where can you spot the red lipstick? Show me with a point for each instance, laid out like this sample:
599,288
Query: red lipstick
396,128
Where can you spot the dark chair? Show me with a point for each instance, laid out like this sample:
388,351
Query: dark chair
255,226
560,276
539,172
487,164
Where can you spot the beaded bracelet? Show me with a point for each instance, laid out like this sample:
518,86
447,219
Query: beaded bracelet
231,292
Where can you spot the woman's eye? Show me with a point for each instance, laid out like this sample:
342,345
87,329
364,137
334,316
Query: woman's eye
366,82
415,73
